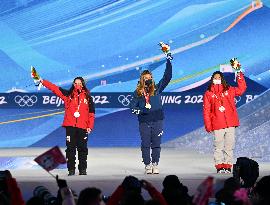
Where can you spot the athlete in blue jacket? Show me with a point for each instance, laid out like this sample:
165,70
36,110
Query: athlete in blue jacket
146,103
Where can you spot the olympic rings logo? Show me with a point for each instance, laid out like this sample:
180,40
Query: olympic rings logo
125,100
25,100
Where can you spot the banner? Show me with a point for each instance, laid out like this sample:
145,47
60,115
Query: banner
108,100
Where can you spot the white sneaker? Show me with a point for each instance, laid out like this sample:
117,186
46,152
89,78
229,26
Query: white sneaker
148,169
228,171
155,168
221,171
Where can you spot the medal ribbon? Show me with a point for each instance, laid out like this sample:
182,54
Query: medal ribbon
79,104
218,97
147,97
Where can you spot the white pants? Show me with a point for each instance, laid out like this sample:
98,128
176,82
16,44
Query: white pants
224,143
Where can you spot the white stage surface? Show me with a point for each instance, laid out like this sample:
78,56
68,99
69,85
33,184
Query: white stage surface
107,168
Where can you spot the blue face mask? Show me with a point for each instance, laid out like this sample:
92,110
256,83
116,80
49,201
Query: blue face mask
148,82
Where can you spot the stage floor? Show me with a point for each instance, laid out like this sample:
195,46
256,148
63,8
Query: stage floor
107,167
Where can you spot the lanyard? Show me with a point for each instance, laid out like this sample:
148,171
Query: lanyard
79,103
221,107
218,97
147,97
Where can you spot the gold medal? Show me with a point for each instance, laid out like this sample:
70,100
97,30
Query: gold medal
148,106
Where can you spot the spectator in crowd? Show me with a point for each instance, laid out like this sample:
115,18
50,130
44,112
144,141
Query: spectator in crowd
226,194
90,196
129,192
175,192
261,192
10,191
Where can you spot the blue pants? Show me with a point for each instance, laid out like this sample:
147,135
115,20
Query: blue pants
151,133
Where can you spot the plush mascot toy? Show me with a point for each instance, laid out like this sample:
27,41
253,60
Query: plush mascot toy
36,77
166,50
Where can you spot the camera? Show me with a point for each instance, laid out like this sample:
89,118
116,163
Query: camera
43,193
105,198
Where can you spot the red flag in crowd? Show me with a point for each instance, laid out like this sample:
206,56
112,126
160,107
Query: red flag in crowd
51,159
204,192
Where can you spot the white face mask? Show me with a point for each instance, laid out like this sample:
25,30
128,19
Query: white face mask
217,82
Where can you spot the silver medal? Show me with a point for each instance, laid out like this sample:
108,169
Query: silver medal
77,114
221,109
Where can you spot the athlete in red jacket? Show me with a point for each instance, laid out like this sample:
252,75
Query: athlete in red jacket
10,192
78,121
221,118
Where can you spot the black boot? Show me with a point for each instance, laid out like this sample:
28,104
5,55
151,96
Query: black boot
70,155
71,172
82,156
83,172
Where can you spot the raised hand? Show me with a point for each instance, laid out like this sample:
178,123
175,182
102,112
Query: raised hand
146,185
61,182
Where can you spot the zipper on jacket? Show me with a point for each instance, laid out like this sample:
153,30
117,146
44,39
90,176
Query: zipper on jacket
222,106
224,115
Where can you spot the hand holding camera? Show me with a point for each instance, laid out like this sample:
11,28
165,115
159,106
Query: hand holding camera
146,185
132,183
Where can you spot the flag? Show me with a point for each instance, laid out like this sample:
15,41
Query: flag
226,68
51,159
204,192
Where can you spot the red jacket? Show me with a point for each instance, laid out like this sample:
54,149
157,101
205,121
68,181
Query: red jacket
86,109
15,192
214,118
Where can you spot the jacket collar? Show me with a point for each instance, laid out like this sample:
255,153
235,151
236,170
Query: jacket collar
217,89
75,92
